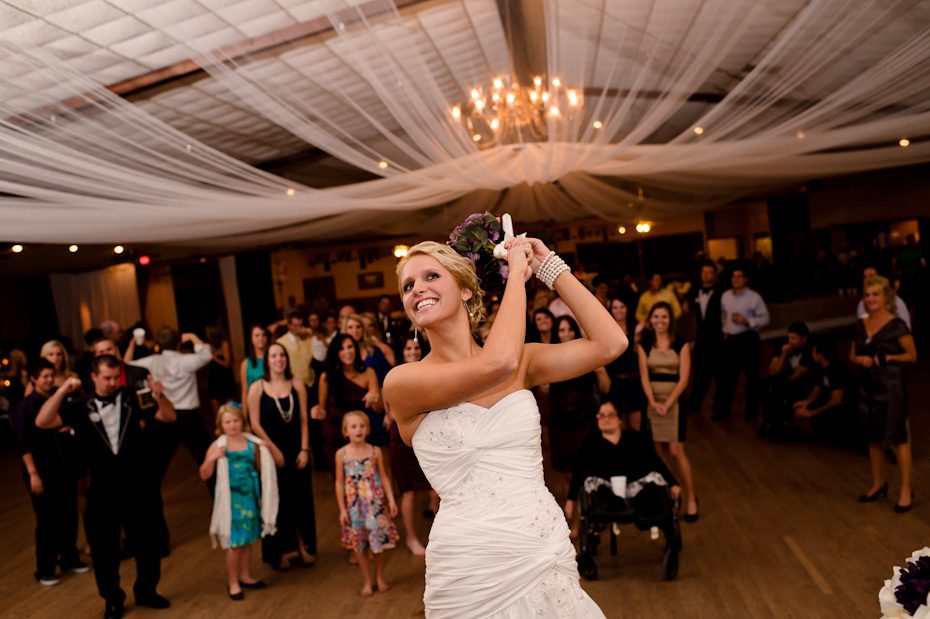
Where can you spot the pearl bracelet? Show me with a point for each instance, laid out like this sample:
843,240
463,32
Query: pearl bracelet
550,269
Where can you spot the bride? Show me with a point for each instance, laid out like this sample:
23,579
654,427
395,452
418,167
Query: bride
499,546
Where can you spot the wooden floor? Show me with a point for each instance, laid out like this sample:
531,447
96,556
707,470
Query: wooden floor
781,535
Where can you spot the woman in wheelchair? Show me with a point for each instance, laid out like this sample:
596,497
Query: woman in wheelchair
621,479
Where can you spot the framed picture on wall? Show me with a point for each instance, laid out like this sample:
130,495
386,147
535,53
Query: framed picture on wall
370,281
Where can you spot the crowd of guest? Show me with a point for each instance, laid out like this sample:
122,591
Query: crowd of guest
309,398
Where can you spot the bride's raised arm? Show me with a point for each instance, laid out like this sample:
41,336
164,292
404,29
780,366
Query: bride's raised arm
604,340
457,370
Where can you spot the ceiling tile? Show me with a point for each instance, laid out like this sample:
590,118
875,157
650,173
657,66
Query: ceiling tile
111,32
85,16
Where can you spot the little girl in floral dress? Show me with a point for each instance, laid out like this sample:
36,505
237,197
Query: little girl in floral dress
362,487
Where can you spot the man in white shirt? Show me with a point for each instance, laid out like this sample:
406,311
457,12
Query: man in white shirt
742,314
177,371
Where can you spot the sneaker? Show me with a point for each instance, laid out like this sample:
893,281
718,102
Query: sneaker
47,580
78,567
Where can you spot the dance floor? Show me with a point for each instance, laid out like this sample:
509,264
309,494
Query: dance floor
780,535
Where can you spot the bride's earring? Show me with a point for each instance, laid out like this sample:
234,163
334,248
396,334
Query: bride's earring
415,335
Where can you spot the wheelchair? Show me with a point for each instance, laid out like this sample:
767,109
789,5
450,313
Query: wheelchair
601,509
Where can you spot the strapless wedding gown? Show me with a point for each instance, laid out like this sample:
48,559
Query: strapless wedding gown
499,546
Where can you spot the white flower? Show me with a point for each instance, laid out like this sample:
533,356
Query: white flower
95,417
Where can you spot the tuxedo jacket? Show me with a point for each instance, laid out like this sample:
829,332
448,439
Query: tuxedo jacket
132,469
709,325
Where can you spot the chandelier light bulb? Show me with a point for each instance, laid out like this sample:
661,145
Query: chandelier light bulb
545,97
17,248
496,97
456,112
118,249
904,142
73,248
698,130
572,98
511,98
534,96
476,137
554,112
556,82
495,124
598,124
498,83
537,81
475,94
479,105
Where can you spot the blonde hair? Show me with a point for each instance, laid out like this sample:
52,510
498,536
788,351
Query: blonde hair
462,270
65,359
361,415
234,410
887,291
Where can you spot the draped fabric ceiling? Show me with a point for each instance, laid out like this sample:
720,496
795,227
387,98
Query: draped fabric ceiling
784,90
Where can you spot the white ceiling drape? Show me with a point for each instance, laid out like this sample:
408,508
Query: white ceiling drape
782,91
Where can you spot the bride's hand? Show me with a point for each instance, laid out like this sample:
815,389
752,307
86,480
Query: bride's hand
540,253
519,257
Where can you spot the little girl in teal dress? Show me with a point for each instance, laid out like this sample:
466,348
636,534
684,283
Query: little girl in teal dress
238,509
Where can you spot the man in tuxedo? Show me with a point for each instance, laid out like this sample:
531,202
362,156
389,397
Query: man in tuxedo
114,434
394,328
705,303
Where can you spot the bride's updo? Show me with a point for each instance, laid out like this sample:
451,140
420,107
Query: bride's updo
462,270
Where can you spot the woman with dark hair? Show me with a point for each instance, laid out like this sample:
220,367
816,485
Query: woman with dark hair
252,367
405,469
573,407
665,367
541,327
221,383
278,415
347,385
626,390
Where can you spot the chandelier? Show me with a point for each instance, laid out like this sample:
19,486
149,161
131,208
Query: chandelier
506,112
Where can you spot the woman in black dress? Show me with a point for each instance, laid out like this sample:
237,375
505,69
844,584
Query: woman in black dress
346,385
278,415
573,404
406,473
626,389
882,343
542,330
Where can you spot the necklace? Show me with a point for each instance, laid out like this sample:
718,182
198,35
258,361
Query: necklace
286,416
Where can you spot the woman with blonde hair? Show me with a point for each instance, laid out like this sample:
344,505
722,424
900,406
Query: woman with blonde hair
881,345
375,354
55,353
499,545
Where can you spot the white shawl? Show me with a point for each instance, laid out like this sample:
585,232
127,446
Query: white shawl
221,522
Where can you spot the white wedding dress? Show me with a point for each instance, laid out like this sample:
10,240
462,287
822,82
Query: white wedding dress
499,546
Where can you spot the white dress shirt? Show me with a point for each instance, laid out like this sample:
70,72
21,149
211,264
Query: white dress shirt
178,373
109,416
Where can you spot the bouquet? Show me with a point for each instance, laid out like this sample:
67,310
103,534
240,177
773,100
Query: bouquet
905,595
475,238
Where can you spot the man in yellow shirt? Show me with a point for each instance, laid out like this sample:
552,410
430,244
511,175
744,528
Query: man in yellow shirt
657,292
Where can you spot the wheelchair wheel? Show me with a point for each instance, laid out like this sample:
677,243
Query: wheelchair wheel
670,562
587,566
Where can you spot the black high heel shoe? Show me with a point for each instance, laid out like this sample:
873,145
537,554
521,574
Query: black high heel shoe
901,509
881,492
694,517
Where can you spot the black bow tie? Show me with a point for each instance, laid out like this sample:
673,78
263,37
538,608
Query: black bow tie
105,400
